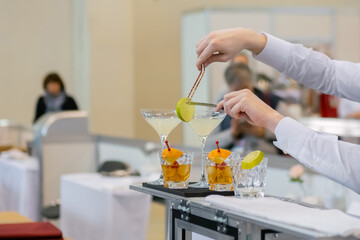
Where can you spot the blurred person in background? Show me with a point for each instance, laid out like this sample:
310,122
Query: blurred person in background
55,98
264,82
238,133
242,57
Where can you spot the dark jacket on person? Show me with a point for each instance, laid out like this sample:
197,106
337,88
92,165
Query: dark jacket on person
68,105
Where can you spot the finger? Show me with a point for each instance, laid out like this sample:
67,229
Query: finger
206,54
229,105
240,116
200,46
231,95
225,106
233,101
237,108
219,106
227,109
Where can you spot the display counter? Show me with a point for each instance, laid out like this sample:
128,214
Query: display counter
188,217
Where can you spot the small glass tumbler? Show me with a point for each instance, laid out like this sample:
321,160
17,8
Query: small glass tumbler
249,183
219,176
176,175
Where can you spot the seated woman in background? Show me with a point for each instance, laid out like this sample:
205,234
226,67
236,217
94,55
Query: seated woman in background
55,98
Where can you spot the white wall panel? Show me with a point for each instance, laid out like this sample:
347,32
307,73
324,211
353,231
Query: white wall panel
303,25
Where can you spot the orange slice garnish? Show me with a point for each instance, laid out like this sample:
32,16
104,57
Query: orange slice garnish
218,155
171,154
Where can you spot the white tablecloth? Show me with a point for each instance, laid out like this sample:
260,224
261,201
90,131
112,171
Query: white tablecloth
96,207
19,187
332,222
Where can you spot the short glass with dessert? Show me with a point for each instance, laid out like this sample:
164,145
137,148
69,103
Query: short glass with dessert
218,169
176,166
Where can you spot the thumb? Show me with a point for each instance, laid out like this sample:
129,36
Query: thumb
219,106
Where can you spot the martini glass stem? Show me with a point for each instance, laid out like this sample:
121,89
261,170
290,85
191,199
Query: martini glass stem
162,139
203,141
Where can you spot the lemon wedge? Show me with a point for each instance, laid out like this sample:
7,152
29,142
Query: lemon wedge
185,111
252,159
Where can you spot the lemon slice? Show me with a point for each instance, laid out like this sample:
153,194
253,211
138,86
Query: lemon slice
252,159
185,111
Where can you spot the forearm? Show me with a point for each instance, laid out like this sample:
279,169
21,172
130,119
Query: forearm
312,68
272,120
321,152
255,42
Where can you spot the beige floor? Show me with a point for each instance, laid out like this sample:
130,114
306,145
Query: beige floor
156,229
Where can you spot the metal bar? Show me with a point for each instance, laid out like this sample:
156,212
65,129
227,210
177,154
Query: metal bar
202,104
183,234
201,230
168,216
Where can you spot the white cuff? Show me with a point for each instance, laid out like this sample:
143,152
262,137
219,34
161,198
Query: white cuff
291,135
275,53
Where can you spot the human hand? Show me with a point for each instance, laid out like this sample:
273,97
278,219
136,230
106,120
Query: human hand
223,45
245,104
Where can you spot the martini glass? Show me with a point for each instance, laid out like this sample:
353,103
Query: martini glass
163,121
203,123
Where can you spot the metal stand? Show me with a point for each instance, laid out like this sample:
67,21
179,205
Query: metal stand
194,215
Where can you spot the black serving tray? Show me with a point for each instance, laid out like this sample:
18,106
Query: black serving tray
189,192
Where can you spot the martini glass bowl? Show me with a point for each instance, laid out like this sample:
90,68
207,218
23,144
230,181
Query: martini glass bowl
203,123
163,121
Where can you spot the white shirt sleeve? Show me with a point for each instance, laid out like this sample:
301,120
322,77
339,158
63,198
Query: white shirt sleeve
312,69
321,152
